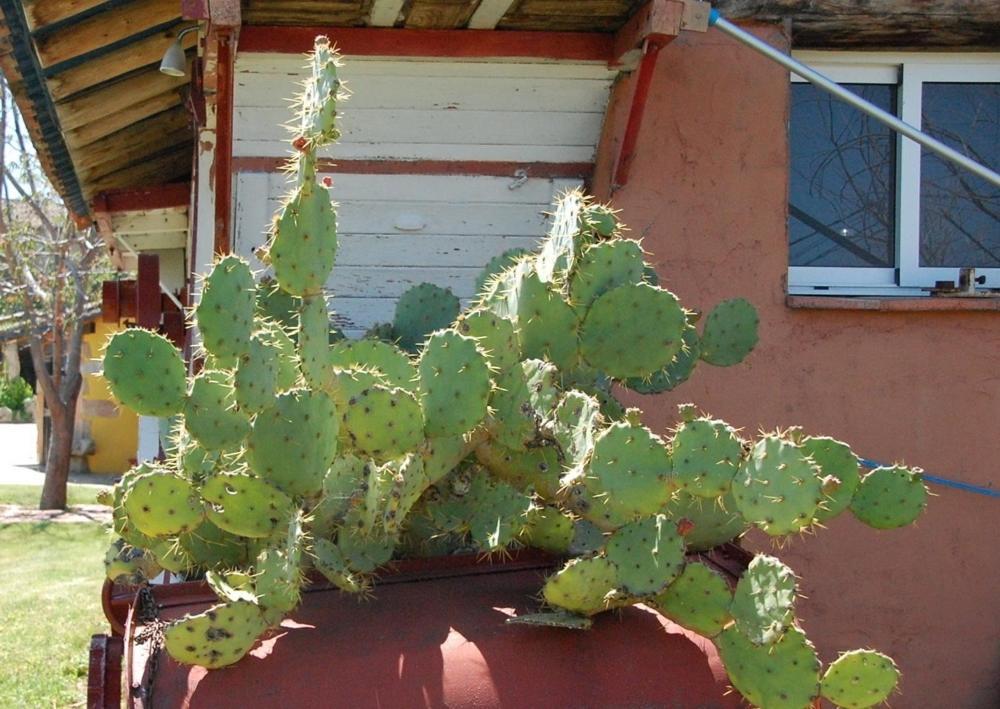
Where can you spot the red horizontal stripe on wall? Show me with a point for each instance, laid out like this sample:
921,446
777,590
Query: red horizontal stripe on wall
497,168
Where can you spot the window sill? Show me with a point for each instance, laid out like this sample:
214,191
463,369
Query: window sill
893,305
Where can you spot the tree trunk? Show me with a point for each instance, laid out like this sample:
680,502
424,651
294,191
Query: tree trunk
57,462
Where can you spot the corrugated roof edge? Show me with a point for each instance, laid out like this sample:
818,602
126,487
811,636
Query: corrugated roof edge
46,133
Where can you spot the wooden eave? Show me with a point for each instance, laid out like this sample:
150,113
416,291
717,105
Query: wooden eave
85,72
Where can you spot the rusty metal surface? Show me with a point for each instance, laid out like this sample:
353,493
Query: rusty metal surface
435,635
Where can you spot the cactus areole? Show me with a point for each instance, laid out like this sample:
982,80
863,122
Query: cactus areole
476,431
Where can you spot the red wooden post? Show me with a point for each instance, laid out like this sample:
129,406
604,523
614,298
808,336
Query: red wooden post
148,292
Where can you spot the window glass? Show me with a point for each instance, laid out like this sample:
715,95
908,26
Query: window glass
842,196
959,212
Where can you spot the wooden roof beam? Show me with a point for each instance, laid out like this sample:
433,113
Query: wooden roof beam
171,167
102,29
131,200
118,62
657,22
91,132
139,133
42,13
105,101
489,13
385,13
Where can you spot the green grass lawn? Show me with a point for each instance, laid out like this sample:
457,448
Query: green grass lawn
50,606
28,495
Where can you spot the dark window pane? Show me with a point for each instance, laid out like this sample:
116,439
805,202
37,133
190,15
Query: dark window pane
959,212
842,196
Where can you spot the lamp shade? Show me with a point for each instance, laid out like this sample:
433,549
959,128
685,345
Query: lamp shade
174,61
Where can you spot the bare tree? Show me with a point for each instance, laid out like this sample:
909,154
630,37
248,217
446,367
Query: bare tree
47,271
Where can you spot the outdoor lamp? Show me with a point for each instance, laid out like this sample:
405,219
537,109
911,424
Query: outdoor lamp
174,62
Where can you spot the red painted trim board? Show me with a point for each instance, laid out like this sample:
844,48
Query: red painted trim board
425,167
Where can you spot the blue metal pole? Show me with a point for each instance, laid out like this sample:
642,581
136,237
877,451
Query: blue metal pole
716,20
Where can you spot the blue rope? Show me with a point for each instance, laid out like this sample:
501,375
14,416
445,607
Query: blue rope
958,485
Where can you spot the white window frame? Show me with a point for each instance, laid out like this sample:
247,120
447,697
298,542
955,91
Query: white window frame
908,71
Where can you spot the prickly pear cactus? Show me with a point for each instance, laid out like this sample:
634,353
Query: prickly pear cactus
477,432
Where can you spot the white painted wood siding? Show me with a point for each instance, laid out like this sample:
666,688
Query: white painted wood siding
466,221
160,231
439,110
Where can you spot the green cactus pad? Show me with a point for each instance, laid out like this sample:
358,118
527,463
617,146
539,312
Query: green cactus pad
216,638
304,244
581,585
675,373
225,311
388,360
314,341
648,554
246,506
730,333
537,469
604,266
629,474
231,587
601,219
318,102
548,326
276,305
294,441
129,565
778,487
495,336
344,384
859,679
698,599
277,581
420,311
890,497
330,562
441,455
711,522
587,538
408,483
272,335
633,331
834,459
497,513
454,384
705,453
365,553
343,481
145,372
210,412
522,394
764,598
161,504
496,265
550,530
210,547
170,555
575,422
256,378
383,422
780,676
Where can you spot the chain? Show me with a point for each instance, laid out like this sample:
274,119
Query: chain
147,613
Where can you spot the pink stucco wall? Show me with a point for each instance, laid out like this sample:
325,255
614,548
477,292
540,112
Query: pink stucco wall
708,193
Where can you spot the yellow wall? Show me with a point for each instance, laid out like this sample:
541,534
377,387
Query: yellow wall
113,429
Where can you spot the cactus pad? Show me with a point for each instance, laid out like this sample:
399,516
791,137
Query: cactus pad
256,378
763,602
210,413
705,453
633,331
780,676
294,441
698,599
304,243
629,473
226,308
890,497
495,336
835,459
547,325
859,679
730,333
420,311
388,360
522,395
647,554
383,422
604,266
454,384
778,487
246,506
712,522
145,372
677,371
218,637
160,504
550,530
581,585
496,265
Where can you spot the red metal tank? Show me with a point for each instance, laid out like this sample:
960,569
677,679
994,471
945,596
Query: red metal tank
435,635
